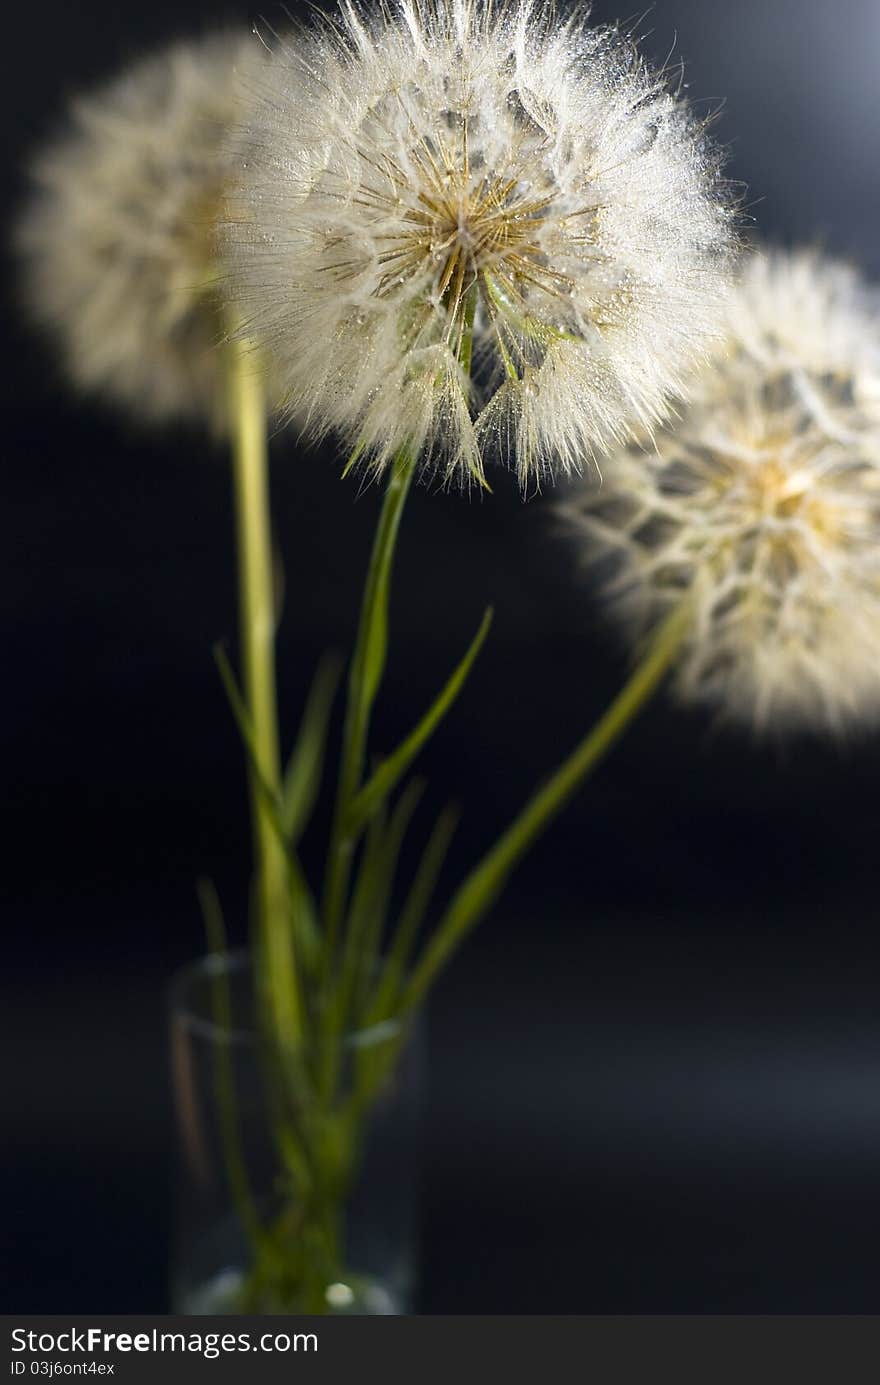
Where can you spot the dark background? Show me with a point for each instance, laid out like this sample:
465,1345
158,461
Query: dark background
654,1079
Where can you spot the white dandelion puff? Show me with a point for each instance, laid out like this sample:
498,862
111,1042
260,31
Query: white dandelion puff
463,227
761,506
117,238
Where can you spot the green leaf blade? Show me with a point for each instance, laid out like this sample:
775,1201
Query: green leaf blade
389,773
302,777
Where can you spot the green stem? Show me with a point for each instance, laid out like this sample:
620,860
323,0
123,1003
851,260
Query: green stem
257,617
367,666
483,885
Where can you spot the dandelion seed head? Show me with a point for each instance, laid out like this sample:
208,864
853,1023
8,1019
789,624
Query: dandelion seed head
760,504
117,237
467,228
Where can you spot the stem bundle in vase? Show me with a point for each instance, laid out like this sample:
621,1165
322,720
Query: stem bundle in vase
345,965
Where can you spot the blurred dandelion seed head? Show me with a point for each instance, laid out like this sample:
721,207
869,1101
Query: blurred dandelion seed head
466,228
761,502
117,237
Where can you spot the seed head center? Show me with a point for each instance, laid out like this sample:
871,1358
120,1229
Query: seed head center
461,226
484,223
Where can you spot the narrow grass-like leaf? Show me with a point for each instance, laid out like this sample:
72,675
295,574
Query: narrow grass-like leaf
246,730
373,886
365,886
386,777
215,932
364,677
373,924
302,777
224,1077
479,890
370,655
304,913
412,914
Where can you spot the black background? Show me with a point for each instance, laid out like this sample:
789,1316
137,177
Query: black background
654,1079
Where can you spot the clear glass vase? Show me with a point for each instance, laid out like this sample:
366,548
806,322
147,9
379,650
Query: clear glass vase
289,1200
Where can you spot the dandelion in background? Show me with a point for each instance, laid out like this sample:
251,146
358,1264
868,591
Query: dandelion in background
117,236
462,226
761,504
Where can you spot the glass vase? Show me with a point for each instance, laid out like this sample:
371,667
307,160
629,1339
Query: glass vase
296,1183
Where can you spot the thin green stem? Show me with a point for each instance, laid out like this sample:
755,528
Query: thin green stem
365,674
257,623
484,883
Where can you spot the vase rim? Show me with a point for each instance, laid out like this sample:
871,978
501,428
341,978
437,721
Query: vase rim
237,961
